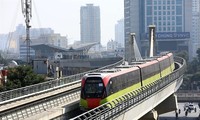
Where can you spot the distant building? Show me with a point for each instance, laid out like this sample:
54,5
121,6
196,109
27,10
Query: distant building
112,45
173,20
119,32
90,25
51,39
195,27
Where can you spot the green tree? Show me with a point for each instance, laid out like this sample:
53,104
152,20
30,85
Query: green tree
198,55
183,54
21,76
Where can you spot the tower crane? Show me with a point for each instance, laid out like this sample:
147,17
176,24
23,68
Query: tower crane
27,12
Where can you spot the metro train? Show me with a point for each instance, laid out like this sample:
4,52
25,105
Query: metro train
106,85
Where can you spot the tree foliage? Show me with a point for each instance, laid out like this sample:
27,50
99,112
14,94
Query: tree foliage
21,76
193,72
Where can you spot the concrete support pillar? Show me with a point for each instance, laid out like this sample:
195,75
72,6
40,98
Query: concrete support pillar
152,115
170,104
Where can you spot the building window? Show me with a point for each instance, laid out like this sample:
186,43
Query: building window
168,29
168,17
178,1
168,12
159,7
178,20
149,20
149,2
168,7
159,12
155,7
164,17
164,7
164,28
168,2
173,7
164,23
173,13
155,12
164,12
178,29
149,10
155,2
178,10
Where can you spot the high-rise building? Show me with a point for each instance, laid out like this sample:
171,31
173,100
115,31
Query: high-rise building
172,18
119,32
90,24
195,27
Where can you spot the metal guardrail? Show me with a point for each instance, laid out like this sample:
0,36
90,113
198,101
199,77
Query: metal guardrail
117,106
19,93
42,105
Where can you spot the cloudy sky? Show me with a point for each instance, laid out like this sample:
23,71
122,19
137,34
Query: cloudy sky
63,16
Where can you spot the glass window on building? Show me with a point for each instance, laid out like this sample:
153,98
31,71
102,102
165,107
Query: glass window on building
149,10
159,2
149,20
164,28
164,1
178,20
155,7
159,18
178,10
159,12
159,23
168,12
168,7
164,17
173,7
149,2
155,12
164,23
168,29
164,7
168,2
155,2
173,12
173,2
159,29
159,7
168,17
179,1
168,23
173,28
164,12
178,29
155,18
173,22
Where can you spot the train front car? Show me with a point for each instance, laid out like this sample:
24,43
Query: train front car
92,91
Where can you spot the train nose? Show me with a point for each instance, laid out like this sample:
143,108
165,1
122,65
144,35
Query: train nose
93,102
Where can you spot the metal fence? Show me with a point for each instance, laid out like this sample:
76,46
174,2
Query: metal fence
16,94
118,106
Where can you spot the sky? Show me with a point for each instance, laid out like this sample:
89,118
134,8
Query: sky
63,16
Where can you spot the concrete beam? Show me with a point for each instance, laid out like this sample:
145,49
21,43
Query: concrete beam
152,115
168,105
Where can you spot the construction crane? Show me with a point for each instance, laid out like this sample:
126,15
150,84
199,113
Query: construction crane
27,12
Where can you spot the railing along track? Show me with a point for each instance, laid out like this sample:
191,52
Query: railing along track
24,92
41,105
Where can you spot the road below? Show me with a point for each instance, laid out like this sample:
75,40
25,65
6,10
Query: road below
182,116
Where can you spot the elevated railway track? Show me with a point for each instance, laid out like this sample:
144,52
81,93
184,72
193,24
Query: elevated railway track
65,91
24,102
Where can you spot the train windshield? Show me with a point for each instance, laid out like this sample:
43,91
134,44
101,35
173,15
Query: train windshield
93,87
